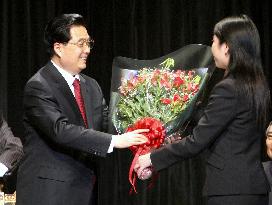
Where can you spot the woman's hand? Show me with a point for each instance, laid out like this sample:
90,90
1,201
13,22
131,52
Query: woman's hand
143,162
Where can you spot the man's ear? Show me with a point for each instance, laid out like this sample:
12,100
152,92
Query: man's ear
58,49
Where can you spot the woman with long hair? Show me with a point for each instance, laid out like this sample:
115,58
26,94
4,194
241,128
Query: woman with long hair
233,124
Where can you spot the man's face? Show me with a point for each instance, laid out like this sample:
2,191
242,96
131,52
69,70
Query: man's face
74,54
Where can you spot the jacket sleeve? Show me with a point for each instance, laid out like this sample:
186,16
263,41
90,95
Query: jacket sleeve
219,112
105,116
11,149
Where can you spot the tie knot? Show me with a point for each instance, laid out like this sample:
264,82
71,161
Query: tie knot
76,83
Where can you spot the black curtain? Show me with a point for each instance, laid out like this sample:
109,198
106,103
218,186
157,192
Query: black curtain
132,28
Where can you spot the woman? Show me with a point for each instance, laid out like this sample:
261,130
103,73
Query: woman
233,123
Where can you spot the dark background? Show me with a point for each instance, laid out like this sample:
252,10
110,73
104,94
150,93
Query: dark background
142,29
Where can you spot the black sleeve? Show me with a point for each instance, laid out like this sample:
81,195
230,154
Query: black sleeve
219,112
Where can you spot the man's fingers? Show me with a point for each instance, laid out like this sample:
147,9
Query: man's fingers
139,138
140,131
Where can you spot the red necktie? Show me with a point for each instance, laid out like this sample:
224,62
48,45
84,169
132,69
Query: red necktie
79,100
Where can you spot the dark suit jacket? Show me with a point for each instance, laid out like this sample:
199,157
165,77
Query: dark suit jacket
57,168
228,131
11,152
11,149
268,171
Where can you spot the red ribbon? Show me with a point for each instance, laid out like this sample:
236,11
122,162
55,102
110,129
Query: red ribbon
155,138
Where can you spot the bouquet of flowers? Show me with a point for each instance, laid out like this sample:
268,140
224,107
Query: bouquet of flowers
159,99
159,93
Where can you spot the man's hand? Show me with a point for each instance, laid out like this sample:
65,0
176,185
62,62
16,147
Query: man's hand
130,138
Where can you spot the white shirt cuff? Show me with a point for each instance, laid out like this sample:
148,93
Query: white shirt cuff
3,169
112,144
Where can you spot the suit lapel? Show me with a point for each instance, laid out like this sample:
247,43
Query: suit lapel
60,83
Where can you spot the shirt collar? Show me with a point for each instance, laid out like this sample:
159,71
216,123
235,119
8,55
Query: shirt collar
67,76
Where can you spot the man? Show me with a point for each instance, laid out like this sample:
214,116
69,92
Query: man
268,164
11,151
64,115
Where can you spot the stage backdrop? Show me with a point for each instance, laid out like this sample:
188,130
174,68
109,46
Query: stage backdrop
138,29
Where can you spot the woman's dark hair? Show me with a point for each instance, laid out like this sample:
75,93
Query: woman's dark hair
242,38
58,30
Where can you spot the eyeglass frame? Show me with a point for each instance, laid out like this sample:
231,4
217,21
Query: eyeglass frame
87,42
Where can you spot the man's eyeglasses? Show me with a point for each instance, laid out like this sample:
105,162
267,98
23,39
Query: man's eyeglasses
87,42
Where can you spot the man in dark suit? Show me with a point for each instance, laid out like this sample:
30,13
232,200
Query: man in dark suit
268,164
11,149
11,152
64,116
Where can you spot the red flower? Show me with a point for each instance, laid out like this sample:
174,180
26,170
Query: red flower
176,97
178,81
166,101
195,88
165,84
185,98
189,86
